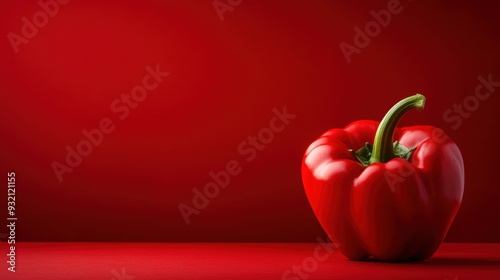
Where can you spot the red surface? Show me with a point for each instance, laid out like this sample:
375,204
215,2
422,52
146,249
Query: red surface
225,79
58,261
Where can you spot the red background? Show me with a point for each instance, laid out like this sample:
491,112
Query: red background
226,77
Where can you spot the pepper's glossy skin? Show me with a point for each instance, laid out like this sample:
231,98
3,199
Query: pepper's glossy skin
399,210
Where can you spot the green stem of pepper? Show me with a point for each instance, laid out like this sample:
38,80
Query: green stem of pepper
383,149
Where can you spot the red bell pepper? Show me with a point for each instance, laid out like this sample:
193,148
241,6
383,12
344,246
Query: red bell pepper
391,201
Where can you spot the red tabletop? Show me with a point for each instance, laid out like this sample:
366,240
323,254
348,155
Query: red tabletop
294,261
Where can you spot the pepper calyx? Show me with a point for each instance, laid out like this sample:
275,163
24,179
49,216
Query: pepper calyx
364,153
